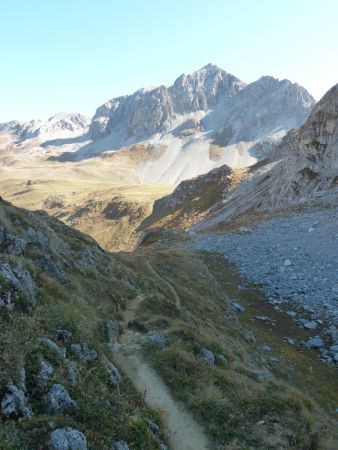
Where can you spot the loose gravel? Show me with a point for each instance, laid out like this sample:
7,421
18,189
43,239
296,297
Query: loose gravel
292,259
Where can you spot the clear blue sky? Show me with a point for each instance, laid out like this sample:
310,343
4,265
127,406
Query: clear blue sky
72,55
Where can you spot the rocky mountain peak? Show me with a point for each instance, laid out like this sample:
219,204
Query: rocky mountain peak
202,89
265,107
304,168
152,111
204,120
326,110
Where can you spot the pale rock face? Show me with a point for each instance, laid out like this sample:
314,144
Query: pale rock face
147,112
202,89
183,123
305,166
264,107
59,125
58,400
138,114
207,107
241,112
309,155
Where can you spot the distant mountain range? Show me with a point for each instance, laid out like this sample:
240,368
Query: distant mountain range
59,125
202,121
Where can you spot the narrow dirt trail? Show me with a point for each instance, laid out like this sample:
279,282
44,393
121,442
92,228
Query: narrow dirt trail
183,432
166,282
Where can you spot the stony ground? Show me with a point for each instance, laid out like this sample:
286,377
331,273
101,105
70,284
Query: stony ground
293,258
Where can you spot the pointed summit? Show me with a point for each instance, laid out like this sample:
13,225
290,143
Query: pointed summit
148,112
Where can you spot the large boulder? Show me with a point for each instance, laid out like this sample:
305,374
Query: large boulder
71,374
14,403
208,356
113,372
67,439
58,400
51,345
156,338
314,342
17,280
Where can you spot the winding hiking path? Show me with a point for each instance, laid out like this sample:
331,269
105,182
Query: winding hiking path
166,282
183,432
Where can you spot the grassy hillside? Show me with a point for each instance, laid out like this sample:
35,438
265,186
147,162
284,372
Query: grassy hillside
98,196
183,325
193,199
65,282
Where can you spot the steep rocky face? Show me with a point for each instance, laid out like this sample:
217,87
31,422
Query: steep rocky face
233,111
304,167
203,89
209,107
144,112
151,111
309,156
267,106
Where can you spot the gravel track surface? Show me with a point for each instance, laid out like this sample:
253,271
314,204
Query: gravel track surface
293,259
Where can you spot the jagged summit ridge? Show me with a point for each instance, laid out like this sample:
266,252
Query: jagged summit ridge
157,110
203,120
304,169
264,107
151,111
59,125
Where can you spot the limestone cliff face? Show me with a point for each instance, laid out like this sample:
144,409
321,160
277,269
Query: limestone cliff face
203,89
206,110
152,111
310,155
305,166
210,100
264,107
209,107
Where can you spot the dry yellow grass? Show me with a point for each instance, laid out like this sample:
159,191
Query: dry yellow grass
84,192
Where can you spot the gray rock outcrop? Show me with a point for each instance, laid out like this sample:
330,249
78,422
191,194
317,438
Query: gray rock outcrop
208,356
84,353
156,338
45,373
14,404
19,280
58,400
54,347
151,111
67,439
